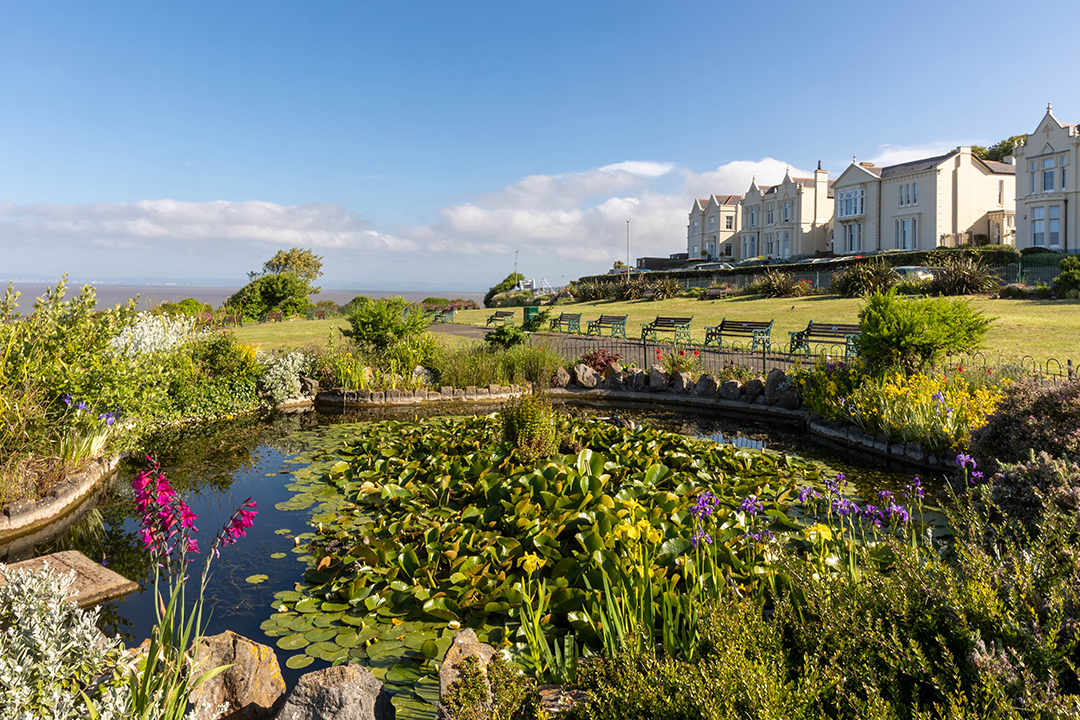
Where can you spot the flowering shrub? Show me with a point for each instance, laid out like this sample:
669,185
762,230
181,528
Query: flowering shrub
51,650
155,333
825,381
86,431
282,378
600,358
680,360
1031,416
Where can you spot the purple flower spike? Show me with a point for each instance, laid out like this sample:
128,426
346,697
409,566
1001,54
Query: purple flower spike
750,505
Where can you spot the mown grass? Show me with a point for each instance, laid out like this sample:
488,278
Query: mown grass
1037,328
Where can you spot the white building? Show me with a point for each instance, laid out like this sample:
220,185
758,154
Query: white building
1048,186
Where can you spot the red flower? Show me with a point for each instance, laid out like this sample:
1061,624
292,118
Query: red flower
696,353
959,368
682,352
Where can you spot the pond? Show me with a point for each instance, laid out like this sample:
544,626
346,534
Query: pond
216,467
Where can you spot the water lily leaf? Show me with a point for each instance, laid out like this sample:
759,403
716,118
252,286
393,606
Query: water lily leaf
277,555
320,634
332,607
404,673
256,579
297,662
282,531
293,642
307,605
348,638
443,608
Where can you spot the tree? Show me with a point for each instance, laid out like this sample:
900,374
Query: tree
305,264
508,284
286,293
999,150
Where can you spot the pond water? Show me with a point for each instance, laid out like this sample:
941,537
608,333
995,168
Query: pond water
217,467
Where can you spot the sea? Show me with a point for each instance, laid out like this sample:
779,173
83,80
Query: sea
149,296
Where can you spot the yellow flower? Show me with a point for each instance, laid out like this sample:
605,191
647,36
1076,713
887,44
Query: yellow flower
531,562
654,536
818,533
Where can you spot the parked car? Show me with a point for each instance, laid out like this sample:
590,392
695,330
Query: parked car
913,272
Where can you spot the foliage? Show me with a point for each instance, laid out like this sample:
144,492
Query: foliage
823,383
447,514
599,359
378,324
531,426
508,283
51,651
155,334
665,288
963,275
999,150
506,336
513,696
286,293
188,306
1023,490
1030,416
537,321
679,360
1013,291
633,287
862,279
490,365
1068,282
305,264
282,378
591,290
912,333
776,283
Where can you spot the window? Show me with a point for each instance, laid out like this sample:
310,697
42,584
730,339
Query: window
905,234
786,251
787,213
769,245
1054,225
694,253
914,193
1033,173
753,217
1038,229
749,246
1001,192
1048,175
712,224
1061,162
695,227
727,249
909,194
853,237
770,218
729,223
850,203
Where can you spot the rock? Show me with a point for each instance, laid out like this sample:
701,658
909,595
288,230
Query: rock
422,373
730,390
253,686
465,644
754,389
772,385
613,376
308,386
562,377
658,380
788,397
780,390
636,380
707,385
585,376
681,382
342,692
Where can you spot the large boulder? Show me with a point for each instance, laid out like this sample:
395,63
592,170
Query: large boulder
780,390
658,380
342,692
613,376
730,390
682,382
562,377
707,385
754,389
252,687
585,376
635,380
465,644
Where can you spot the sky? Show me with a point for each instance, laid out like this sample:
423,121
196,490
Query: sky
434,145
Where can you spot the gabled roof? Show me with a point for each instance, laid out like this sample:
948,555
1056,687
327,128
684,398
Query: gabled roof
998,167
727,199
702,203
914,166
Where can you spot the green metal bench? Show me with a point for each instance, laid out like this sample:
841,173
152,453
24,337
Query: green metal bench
617,324
845,334
500,317
679,326
759,330
443,316
567,322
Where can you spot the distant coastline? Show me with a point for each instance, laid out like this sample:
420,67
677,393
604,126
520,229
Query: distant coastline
152,295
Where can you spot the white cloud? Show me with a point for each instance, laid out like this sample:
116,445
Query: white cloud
734,178
897,154
640,167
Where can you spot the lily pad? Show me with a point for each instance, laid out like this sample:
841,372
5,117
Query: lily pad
297,662
277,555
256,579
282,531
404,673
293,642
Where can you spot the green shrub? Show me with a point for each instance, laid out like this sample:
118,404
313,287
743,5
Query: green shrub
862,279
531,426
286,293
1068,282
776,283
513,695
508,283
537,321
963,275
911,333
378,324
1013,291
506,336
1046,419
665,288
632,289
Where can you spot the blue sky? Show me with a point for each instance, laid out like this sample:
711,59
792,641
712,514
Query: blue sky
420,144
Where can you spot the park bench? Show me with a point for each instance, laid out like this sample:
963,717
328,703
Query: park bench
617,324
680,326
443,316
232,320
759,330
826,334
715,293
320,314
568,322
273,317
501,316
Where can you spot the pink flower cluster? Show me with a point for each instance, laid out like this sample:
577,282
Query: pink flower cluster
238,524
166,519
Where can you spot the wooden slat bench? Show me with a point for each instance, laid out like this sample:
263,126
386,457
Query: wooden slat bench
715,293
759,330
273,317
443,316
501,316
232,320
320,314
617,323
567,322
826,334
680,326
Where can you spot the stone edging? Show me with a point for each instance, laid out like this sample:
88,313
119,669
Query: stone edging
60,500
369,398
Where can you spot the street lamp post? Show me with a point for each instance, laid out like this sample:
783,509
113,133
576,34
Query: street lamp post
628,251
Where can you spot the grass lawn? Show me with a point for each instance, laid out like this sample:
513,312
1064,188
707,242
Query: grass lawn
1038,328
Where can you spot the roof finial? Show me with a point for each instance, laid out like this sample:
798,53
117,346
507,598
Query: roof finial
1049,107
853,159
818,164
